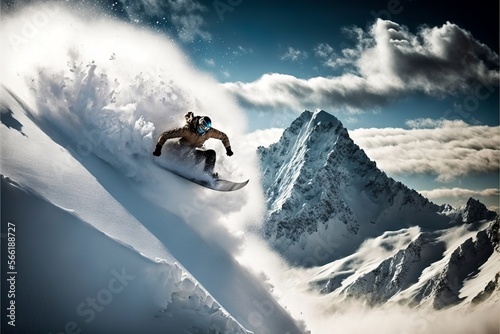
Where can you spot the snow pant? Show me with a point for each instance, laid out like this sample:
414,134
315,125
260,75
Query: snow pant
196,156
209,156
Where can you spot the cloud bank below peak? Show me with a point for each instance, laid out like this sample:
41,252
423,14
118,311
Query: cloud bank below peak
447,149
388,62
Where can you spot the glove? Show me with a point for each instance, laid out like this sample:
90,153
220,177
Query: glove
229,152
157,151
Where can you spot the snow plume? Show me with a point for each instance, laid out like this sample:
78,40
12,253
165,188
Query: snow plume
387,62
109,85
111,88
184,18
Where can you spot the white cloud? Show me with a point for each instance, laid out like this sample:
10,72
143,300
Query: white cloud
285,92
449,150
435,60
457,197
422,123
294,54
323,50
388,62
264,137
459,193
329,57
351,120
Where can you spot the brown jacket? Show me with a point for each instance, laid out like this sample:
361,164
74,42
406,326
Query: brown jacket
191,138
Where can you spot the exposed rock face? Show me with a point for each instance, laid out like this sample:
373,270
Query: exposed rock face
476,211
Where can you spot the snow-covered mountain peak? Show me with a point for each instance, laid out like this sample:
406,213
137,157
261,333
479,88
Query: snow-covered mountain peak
318,116
308,141
370,237
310,121
476,211
321,187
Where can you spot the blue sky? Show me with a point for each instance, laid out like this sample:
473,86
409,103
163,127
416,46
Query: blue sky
266,29
428,68
251,38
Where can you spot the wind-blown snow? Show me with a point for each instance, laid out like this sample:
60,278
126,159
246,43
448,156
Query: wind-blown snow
111,85
89,109
109,89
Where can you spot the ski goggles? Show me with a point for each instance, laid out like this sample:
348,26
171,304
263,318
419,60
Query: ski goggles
203,127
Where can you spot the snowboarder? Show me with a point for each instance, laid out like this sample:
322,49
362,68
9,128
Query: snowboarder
192,137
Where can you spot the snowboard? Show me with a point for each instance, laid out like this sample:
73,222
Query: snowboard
214,184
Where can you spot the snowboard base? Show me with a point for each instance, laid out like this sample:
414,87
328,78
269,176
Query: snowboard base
214,184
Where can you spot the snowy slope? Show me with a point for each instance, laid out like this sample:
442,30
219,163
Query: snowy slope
98,194
73,276
79,120
108,203
429,270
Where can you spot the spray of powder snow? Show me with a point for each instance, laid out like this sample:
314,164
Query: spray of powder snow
106,77
111,88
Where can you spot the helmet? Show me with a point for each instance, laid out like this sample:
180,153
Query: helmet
204,124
